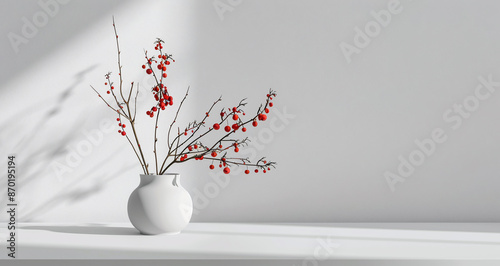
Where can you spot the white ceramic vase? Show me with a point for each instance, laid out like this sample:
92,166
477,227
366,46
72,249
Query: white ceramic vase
160,205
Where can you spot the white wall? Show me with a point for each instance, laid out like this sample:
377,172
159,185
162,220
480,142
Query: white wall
348,121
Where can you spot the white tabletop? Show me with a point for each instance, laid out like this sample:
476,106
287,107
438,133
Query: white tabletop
262,241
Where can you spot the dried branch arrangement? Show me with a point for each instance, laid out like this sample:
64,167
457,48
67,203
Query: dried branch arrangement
185,144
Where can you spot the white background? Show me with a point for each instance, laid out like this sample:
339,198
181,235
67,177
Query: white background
351,121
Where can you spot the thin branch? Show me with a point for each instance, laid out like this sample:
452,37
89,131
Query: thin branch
175,118
156,140
142,165
169,130
119,64
98,94
135,101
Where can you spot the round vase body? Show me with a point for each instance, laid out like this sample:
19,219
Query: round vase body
160,205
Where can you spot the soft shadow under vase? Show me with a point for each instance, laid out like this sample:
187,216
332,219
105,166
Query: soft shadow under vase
160,205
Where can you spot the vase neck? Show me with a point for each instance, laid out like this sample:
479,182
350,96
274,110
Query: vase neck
172,179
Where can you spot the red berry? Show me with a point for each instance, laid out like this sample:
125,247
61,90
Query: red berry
247,171
270,104
118,119
168,63
164,68
227,128
220,146
123,125
112,87
160,67
119,131
236,149
235,127
235,117
155,109
195,146
254,123
148,112
185,133
164,75
244,129
214,154
108,92
234,109
190,148
264,171
256,170
149,71
105,83
227,170
223,159
266,110
220,165
216,126
143,66
212,166
123,133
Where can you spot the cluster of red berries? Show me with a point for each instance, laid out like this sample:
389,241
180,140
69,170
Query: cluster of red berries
227,170
122,126
162,99
235,126
160,93
262,116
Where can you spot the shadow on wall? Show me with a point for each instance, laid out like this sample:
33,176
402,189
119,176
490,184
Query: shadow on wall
33,30
35,161
74,193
